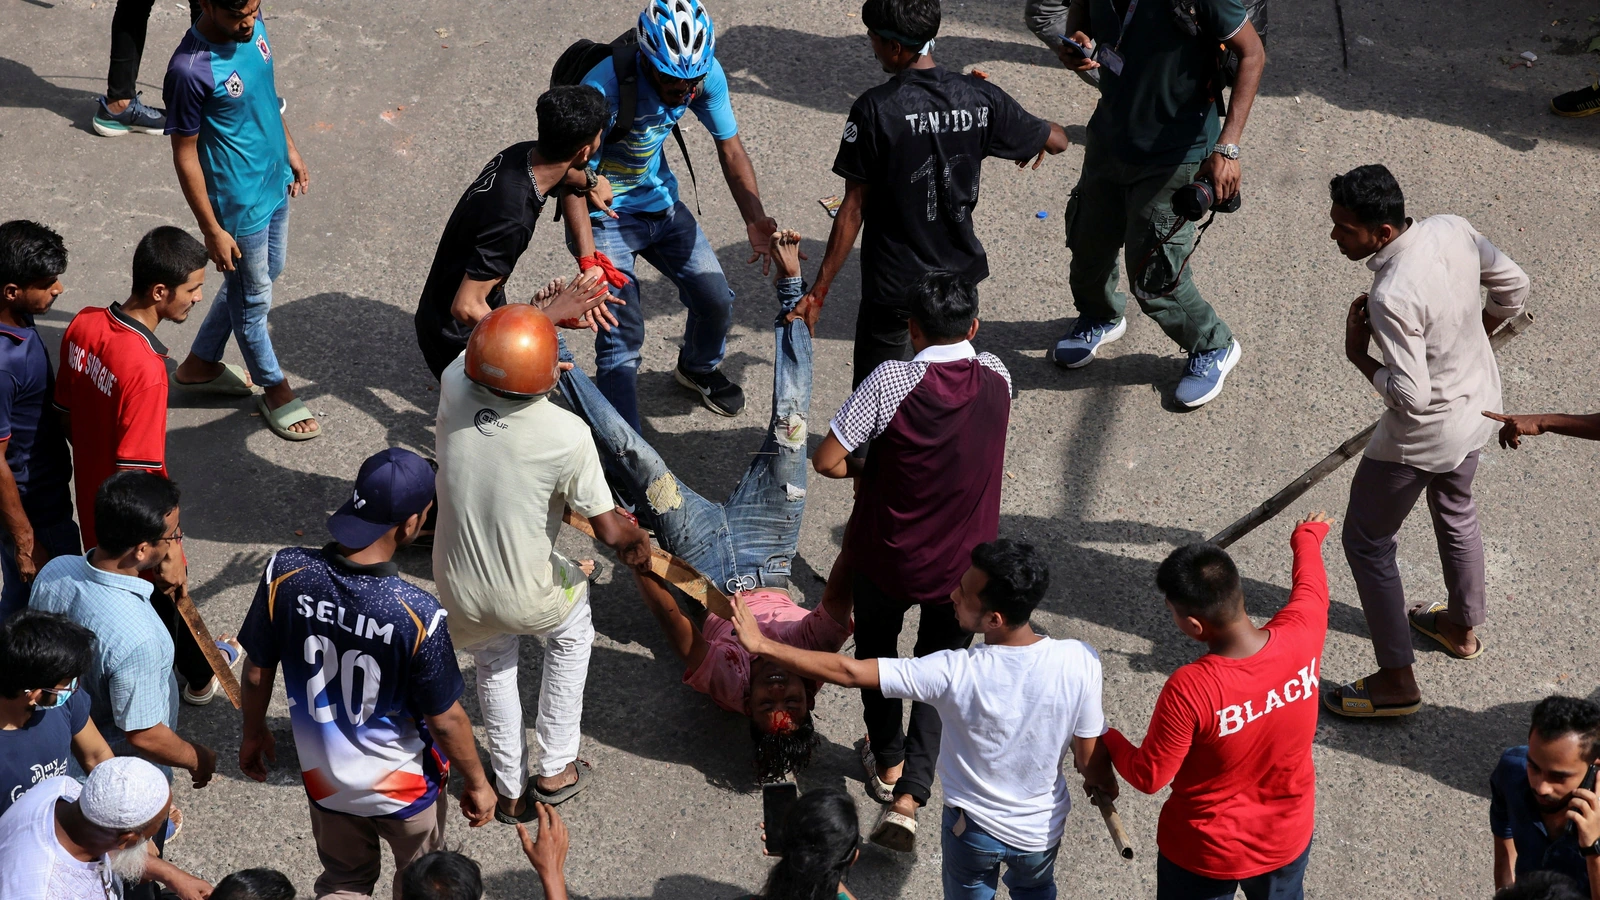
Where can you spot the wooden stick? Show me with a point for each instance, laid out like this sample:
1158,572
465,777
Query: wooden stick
1108,812
1341,454
673,570
208,645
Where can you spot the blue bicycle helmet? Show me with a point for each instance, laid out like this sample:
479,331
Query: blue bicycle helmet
676,37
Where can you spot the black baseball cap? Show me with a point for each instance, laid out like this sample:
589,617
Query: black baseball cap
392,486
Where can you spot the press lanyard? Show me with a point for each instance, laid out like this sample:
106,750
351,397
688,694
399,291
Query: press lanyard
1128,17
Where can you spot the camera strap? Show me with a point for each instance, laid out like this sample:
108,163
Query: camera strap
1167,289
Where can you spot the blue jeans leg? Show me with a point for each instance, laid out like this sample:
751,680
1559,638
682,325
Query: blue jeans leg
765,510
1173,882
58,539
682,253
685,523
240,307
617,351
972,864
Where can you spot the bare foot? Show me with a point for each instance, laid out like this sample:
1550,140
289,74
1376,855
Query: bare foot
905,805
546,293
195,370
281,393
1393,687
1461,638
509,806
554,783
586,566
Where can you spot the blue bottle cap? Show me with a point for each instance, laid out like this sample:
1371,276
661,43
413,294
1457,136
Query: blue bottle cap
1042,214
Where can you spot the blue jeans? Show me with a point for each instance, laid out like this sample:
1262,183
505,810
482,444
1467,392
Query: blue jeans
58,539
748,541
240,307
673,243
972,864
1174,882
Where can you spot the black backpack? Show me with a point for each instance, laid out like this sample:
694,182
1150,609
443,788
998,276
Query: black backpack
583,55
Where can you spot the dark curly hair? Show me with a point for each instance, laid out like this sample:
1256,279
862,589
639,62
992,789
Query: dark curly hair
1372,193
821,835
780,752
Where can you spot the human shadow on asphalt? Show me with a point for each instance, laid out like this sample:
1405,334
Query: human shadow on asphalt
22,88
827,73
1457,747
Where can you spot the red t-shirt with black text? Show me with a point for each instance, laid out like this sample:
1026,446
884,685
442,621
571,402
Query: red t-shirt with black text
1233,736
113,383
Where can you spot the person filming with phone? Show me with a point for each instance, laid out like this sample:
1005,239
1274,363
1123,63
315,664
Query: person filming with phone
1543,808
1155,141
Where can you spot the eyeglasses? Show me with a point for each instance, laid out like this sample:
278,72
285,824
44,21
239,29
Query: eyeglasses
176,536
690,84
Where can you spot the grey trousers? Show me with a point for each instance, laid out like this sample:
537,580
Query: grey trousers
352,858
1381,496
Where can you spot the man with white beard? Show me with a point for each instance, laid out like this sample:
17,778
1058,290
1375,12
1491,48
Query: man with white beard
66,841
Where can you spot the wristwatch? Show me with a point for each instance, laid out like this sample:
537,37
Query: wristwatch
1228,151
1591,850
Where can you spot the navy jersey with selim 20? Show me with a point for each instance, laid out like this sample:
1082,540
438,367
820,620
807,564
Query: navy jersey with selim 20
918,142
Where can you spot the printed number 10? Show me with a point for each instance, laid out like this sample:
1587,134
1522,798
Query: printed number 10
345,669
937,178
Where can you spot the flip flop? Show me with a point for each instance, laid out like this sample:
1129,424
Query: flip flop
1354,701
561,796
529,812
173,827
1426,621
231,649
231,383
291,413
202,698
877,788
895,831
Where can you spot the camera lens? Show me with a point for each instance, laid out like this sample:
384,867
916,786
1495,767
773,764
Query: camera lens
1192,200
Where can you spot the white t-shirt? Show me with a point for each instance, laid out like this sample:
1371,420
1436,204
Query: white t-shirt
1009,714
34,865
508,469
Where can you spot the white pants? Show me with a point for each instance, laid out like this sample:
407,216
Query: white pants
566,668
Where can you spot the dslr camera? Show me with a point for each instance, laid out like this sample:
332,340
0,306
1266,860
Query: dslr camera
1198,197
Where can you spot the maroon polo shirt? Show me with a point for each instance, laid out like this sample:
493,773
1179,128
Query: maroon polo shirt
931,488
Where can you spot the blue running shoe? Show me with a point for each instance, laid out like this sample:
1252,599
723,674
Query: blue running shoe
1203,380
1077,348
137,117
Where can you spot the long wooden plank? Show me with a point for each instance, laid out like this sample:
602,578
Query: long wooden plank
1341,454
673,570
208,646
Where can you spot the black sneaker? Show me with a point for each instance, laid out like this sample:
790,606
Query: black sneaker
137,117
1581,102
720,395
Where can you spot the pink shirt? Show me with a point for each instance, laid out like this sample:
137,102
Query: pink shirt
724,675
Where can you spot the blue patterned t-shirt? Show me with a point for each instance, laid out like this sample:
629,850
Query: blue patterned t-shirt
366,658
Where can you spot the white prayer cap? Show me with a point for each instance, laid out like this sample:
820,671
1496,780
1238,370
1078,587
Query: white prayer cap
123,794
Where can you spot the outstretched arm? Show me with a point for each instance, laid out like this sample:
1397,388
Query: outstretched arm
846,226
816,665
741,177
681,633
1518,427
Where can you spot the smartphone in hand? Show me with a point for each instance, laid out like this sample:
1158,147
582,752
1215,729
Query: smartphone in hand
776,800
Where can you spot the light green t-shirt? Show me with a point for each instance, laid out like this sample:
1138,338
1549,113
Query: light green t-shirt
508,469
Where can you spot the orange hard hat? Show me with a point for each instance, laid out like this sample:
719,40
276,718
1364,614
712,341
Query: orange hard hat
512,352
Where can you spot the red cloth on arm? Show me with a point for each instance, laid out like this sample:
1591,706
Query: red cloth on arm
614,275
1233,736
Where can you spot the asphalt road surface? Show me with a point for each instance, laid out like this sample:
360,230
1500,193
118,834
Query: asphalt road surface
396,106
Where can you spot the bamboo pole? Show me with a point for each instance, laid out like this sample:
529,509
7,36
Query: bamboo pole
1341,454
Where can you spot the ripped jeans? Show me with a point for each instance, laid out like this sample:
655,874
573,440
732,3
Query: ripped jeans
748,541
